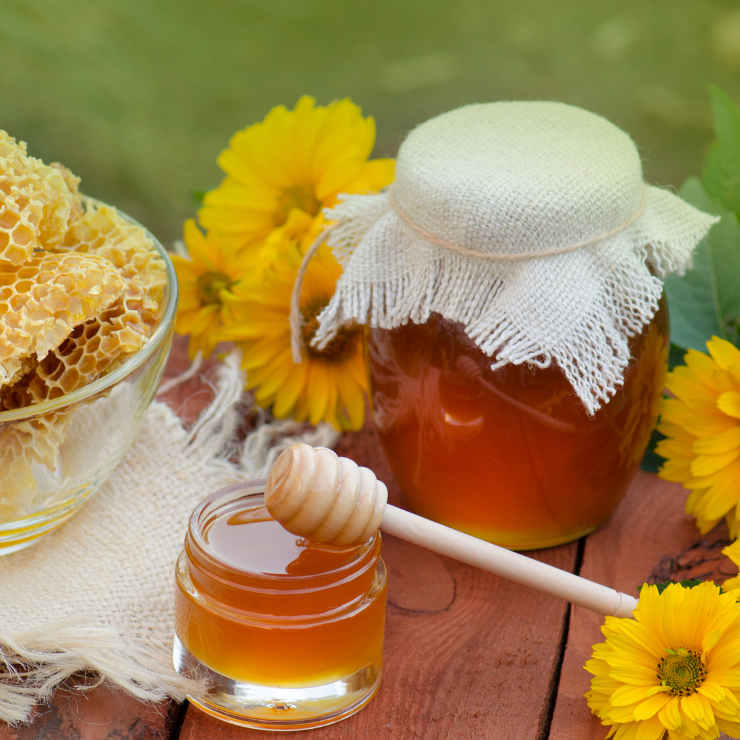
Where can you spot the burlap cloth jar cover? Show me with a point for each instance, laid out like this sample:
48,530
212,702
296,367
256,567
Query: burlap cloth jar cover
480,192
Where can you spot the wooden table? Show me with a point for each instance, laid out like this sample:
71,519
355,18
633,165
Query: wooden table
467,654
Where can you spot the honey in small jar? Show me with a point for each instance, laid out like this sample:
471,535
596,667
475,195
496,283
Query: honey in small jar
289,632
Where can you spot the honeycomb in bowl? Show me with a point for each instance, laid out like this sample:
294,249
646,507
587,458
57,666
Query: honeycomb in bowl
103,232
90,351
96,346
80,291
44,299
37,202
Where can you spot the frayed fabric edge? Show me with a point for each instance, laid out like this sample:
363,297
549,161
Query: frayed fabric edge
410,289
35,662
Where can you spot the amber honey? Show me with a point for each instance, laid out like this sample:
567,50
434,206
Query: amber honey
296,626
510,455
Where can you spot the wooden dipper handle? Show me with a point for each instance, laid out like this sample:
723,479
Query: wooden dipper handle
316,494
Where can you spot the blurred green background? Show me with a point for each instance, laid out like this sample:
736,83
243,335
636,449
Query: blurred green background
138,97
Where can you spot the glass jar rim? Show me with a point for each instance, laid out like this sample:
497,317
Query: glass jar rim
170,298
256,488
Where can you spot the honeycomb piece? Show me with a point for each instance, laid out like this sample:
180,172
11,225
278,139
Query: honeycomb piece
97,346
36,202
73,183
102,231
42,301
14,395
25,445
91,350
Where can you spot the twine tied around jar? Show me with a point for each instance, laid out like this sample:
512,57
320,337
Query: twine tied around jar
295,309
295,312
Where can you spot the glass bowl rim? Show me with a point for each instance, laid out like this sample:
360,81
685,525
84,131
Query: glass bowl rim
130,365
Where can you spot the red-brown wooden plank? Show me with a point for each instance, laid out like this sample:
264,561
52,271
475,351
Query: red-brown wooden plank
101,713
649,534
467,655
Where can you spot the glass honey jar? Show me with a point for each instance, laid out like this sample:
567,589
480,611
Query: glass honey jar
510,279
508,455
288,633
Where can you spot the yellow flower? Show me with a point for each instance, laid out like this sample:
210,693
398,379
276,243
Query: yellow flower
294,160
732,585
702,424
675,667
329,384
212,270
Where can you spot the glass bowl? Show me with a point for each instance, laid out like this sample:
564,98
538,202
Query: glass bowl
80,437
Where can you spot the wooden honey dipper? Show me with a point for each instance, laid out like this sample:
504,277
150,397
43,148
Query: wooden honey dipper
318,495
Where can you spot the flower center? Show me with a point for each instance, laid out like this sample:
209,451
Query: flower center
296,196
210,284
682,670
339,348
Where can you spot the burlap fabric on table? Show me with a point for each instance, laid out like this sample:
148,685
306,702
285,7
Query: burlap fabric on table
512,179
97,594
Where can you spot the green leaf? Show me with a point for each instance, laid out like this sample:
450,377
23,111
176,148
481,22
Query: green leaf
676,356
689,583
722,168
705,302
651,462
198,196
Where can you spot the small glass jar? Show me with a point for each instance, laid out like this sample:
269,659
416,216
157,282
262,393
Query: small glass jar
289,633
511,455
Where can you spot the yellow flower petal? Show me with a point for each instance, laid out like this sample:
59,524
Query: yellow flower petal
723,353
288,395
712,690
328,385
729,403
651,706
317,390
702,445
692,707
722,495
728,678
204,280
670,716
719,443
702,366
684,385
733,552
626,695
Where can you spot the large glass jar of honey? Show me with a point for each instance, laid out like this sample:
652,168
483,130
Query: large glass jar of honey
510,455
288,633
510,280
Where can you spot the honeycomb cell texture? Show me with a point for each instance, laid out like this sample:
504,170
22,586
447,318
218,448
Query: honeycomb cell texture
104,341
43,300
90,351
37,202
